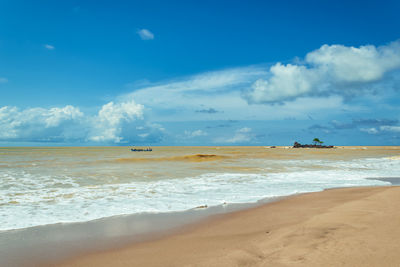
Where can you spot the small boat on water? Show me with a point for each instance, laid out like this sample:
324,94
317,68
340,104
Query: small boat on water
149,149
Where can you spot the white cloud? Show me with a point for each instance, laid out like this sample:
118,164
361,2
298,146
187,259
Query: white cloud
351,64
380,129
211,81
242,135
3,80
57,115
329,70
7,123
287,82
244,130
369,130
180,100
39,124
49,47
144,135
108,123
196,133
145,34
219,89
70,124
390,128
315,87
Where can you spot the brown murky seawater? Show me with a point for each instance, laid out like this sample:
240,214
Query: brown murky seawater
169,162
54,184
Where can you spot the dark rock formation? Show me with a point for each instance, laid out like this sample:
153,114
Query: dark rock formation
298,145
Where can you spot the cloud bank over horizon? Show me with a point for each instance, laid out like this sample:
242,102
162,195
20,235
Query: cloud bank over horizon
67,124
319,94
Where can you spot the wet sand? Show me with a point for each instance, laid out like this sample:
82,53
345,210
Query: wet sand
338,227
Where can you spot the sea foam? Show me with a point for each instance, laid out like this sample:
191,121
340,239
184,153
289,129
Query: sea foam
30,198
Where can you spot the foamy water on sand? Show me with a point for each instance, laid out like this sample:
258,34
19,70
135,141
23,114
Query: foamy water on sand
40,186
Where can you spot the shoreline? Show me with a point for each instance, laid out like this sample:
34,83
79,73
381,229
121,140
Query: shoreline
215,240
71,240
68,241
353,226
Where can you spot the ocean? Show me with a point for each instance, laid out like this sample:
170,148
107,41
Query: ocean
49,185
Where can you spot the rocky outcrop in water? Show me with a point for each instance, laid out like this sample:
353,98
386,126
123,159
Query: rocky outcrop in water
298,145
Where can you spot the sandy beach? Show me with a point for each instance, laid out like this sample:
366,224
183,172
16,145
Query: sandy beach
338,227
199,133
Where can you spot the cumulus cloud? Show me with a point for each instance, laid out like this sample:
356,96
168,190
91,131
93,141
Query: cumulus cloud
329,70
55,116
39,124
114,123
108,123
145,34
3,80
351,64
49,47
287,82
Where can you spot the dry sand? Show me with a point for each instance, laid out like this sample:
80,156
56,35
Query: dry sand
339,227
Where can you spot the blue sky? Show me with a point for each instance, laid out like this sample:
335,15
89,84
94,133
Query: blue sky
199,72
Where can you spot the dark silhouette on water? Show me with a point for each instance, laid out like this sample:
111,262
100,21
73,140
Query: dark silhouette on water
149,149
298,145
